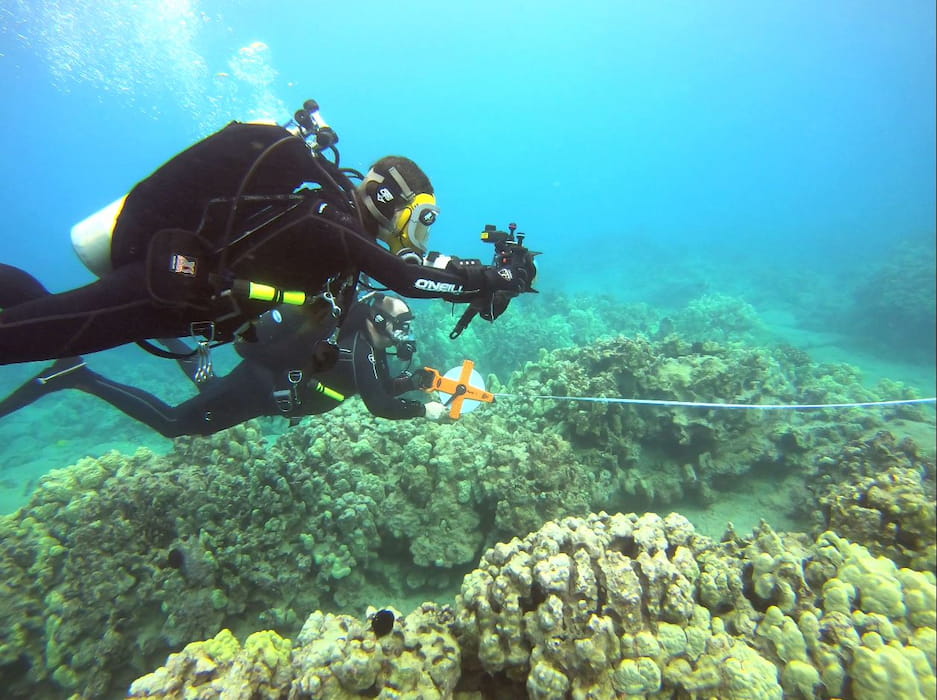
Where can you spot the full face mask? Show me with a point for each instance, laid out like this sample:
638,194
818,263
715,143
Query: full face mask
413,222
404,216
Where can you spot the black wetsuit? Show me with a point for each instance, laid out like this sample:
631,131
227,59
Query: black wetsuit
236,190
362,368
270,383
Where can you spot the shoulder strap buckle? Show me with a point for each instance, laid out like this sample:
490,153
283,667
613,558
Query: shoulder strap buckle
284,401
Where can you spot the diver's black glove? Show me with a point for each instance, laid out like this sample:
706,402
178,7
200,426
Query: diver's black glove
506,278
503,282
506,275
422,378
493,304
499,283
418,379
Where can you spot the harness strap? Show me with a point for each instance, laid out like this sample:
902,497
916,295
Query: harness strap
289,399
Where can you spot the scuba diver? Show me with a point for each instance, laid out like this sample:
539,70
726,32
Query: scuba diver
275,377
252,217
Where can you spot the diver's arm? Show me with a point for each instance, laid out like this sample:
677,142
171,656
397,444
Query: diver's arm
403,383
459,280
412,380
135,403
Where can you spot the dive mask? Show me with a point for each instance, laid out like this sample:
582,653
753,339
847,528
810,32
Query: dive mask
404,216
396,328
413,222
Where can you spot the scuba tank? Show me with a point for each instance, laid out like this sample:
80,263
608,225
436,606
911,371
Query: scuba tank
91,237
290,337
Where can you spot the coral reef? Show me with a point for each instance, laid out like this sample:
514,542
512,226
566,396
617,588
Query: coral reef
334,656
609,606
718,317
569,321
881,494
894,307
666,454
119,560
576,321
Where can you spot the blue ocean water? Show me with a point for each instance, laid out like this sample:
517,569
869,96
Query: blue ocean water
783,153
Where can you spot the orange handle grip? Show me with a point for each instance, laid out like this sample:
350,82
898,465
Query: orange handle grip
459,388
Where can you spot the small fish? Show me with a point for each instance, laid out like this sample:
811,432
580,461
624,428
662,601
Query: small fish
382,622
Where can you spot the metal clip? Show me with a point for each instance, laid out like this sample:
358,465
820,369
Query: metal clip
288,400
330,299
204,369
294,377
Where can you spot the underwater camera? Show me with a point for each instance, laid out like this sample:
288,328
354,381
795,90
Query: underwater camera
510,251
512,255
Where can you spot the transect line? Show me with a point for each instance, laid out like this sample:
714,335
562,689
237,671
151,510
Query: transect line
699,404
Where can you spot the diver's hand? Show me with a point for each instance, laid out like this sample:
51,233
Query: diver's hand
418,379
435,410
505,278
493,305
498,284
423,378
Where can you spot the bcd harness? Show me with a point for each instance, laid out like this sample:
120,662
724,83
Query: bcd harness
289,399
183,272
188,270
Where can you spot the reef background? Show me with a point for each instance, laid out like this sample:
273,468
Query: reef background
118,560
735,203
67,426
782,157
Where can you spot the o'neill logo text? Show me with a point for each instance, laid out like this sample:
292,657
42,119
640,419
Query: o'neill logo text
444,287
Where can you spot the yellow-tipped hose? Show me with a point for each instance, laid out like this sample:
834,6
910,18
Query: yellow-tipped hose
264,292
331,393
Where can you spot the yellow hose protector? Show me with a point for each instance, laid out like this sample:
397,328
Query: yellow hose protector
331,393
294,298
264,292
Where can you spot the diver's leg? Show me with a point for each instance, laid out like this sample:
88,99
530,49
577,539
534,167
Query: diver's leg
62,374
244,393
224,402
136,403
72,373
18,286
112,311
